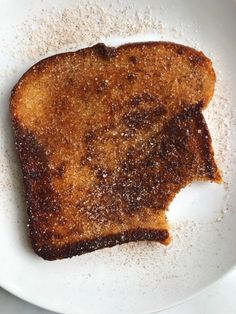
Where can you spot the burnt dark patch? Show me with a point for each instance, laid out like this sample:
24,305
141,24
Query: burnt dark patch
121,86
102,173
105,52
89,136
101,86
128,133
69,82
204,136
133,59
180,50
135,119
131,77
93,138
142,98
175,140
128,165
40,196
157,112
60,170
150,160
86,159
143,118
196,59
35,174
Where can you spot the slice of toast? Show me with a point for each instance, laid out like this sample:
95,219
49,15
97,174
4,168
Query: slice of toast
106,138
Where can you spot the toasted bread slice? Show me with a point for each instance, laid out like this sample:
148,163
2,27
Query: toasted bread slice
106,138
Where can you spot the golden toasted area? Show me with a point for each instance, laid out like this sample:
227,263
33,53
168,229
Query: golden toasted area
106,138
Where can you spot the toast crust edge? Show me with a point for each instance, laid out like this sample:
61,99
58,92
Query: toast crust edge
106,52
87,246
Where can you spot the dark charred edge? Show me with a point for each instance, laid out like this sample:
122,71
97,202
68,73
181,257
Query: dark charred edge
207,150
17,128
105,52
213,173
110,52
51,253
34,204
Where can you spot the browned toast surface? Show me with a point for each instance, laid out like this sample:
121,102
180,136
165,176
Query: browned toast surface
106,138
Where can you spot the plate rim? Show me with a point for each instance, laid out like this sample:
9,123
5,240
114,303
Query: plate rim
24,297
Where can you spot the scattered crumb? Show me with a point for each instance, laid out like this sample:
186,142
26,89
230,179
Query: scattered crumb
81,25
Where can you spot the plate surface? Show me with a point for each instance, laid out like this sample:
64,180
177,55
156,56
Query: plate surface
134,278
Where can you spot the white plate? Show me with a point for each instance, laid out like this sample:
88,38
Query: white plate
141,277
